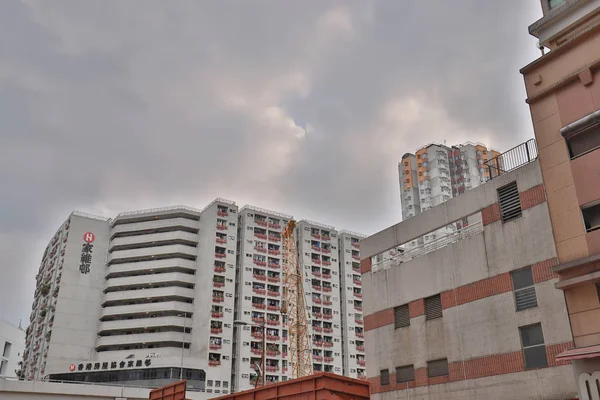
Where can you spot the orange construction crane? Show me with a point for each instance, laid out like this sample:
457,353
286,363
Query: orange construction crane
294,306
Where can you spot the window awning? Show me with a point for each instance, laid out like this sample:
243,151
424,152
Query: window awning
579,353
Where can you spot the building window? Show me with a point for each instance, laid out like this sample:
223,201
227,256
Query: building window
510,204
384,375
437,368
554,3
405,374
6,351
582,136
591,217
433,307
401,317
524,289
3,367
534,350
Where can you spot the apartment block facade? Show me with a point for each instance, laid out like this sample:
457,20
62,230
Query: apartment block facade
152,295
563,93
476,316
12,345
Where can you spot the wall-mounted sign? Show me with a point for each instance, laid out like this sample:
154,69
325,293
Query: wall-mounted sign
95,366
86,253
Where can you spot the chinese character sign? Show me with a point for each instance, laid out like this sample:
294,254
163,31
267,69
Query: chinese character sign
86,253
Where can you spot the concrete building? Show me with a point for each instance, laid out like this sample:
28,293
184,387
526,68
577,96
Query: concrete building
318,258
258,298
563,93
437,173
136,298
12,345
351,296
475,316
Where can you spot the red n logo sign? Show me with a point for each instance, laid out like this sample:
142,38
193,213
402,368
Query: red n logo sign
89,237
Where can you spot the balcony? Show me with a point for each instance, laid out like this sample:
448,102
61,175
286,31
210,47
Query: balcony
316,248
259,277
272,353
256,334
358,308
214,363
261,222
327,288
355,245
358,321
318,343
327,302
221,240
148,267
273,338
149,253
259,291
214,346
222,213
143,338
260,306
220,255
272,322
272,293
256,351
154,225
147,308
274,226
274,266
215,331
274,252
316,300
315,261
327,330
362,363
317,315
327,316
218,299
273,308
317,358
326,276
260,263
357,282
315,235
317,329
219,269
148,280
271,368
326,262
358,295
325,237
273,279
360,334
261,235
156,293
356,269
356,256
130,324
153,239
274,238
326,250
260,249
221,227
218,284
316,287
258,320
327,344
316,273
215,314
360,348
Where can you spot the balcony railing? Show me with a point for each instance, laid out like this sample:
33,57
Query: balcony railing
433,245
511,159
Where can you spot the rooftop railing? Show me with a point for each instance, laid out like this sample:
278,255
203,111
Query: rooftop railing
511,159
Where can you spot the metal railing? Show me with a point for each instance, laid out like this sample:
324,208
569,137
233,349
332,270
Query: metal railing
511,159
434,245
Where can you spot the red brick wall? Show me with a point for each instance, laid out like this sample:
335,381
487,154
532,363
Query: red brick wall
532,197
416,308
365,265
380,318
490,214
542,271
497,364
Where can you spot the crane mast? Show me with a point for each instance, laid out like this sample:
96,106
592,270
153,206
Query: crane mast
294,306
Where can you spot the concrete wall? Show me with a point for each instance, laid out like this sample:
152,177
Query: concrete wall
12,340
479,331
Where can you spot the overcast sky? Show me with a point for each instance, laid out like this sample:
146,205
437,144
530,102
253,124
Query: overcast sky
303,107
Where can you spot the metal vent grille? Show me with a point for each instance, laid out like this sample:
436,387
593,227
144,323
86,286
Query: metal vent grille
401,317
433,307
525,298
437,368
524,289
385,377
405,374
510,204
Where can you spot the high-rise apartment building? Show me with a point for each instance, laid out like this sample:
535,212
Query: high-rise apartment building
318,258
152,295
353,336
437,173
12,344
563,93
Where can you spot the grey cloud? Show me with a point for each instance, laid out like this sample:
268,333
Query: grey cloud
108,106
